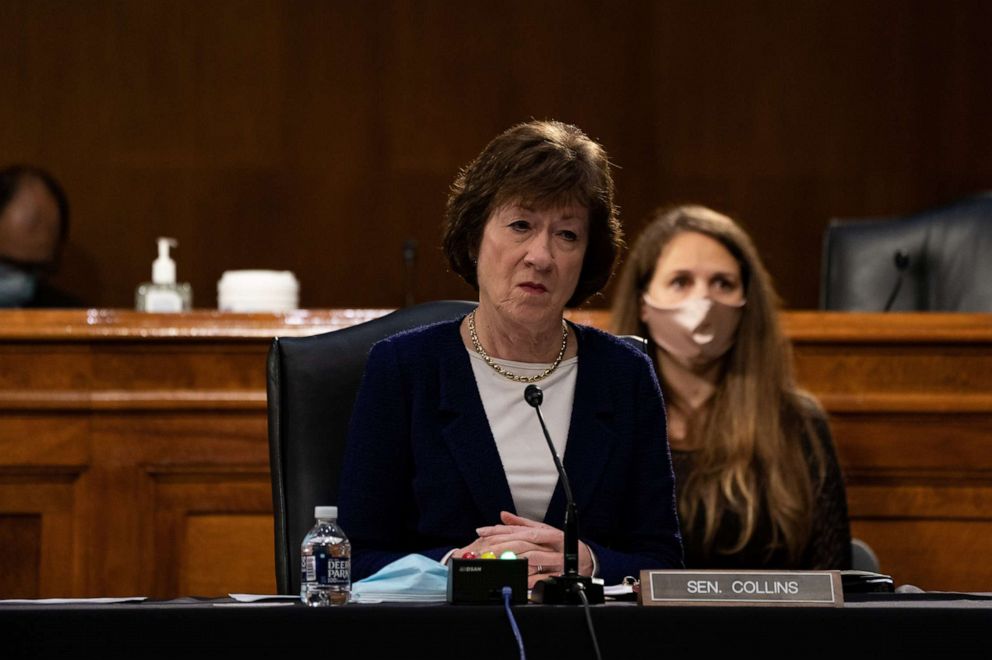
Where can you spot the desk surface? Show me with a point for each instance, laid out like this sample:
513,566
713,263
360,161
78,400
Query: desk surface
869,625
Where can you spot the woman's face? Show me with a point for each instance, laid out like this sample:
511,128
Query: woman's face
693,265
530,259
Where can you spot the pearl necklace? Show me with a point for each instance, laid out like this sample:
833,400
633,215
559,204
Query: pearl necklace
509,374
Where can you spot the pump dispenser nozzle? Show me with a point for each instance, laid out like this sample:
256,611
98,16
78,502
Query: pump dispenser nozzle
164,268
163,294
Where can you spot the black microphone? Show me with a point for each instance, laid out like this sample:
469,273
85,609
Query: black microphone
564,588
902,265
534,397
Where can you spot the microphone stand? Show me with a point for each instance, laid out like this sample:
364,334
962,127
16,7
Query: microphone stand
567,588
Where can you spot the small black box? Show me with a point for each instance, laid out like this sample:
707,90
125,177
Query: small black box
481,581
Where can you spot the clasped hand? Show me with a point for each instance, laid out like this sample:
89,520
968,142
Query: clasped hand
541,545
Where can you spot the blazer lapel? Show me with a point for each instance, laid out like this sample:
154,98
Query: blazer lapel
468,437
590,441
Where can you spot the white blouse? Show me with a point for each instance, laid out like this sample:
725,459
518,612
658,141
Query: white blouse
527,463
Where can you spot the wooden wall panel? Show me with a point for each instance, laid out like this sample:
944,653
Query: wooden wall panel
905,544
911,414
146,467
319,136
910,440
171,463
39,531
213,528
114,444
925,525
20,570
228,554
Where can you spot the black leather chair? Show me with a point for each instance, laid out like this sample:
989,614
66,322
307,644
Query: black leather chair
937,260
312,384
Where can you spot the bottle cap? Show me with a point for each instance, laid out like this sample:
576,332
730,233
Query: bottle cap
164,268
325,512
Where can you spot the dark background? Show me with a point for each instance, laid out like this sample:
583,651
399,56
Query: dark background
319,136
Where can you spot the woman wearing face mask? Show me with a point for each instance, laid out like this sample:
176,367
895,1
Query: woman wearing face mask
757,479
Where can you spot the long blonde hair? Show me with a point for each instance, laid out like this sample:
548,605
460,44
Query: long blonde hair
749,452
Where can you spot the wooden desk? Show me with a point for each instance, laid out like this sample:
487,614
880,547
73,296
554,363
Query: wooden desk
134,459
910,401
133,451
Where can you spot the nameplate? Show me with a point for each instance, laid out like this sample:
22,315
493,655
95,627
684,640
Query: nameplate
806,588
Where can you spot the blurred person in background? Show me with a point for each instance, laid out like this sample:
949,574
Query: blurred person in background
34,224
757,479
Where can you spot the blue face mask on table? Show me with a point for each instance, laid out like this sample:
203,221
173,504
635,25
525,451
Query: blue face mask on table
16,286
408,579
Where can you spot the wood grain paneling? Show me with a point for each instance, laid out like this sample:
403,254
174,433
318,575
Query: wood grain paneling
20,570
42,540
319,136
213,528
136,460
219,547
943,545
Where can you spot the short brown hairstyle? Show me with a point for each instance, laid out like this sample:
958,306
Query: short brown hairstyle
546,164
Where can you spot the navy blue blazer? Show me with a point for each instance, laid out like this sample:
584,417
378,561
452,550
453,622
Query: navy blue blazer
422,472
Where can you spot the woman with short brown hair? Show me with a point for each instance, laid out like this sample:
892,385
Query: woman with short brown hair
445,457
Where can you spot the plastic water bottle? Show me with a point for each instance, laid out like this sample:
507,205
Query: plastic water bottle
325,558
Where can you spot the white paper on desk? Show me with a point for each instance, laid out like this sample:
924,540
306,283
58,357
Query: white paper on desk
74,601
256,598
615,590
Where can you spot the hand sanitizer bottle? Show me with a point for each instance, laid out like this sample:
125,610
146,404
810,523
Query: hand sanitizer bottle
162,294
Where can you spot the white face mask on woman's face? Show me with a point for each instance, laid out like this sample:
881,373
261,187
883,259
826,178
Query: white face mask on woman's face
696,332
